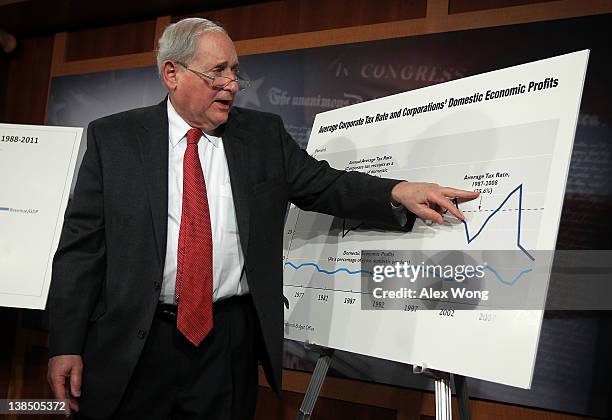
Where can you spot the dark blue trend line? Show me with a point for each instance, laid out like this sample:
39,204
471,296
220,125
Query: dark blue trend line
520,210
346,231
4,209
320,270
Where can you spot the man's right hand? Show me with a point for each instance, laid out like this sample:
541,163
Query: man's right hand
64,375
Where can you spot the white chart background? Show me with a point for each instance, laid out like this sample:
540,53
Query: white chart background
36,178
527,137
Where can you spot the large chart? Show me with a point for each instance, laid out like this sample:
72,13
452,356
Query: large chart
507,134
36,167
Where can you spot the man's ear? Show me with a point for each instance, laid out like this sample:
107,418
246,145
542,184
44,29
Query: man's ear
169,75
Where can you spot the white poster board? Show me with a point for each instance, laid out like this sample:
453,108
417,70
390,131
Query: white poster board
36,168
508,134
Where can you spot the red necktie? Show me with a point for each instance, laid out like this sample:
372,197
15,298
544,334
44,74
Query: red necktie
194,260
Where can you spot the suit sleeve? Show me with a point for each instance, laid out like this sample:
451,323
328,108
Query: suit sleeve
314,186
80,261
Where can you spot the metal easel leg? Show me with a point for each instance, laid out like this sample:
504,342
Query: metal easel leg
442,387
444,394
463,397
444,397
315,384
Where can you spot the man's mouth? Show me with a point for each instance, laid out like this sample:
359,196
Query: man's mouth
224,102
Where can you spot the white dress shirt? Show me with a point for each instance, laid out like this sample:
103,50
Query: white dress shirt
228,260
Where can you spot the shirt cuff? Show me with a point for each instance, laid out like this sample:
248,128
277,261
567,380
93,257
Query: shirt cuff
400,213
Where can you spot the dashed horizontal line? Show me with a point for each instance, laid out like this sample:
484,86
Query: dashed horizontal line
479,211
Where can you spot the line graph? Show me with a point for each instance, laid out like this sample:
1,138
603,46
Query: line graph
346,229
317,268
327,272
469,237
470,234
508,282
516,151
518,189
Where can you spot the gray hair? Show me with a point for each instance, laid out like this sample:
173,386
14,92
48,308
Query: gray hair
179,40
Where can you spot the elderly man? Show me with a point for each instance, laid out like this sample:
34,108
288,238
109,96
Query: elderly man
167,286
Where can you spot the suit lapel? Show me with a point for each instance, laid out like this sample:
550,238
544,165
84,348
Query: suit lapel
235,143
153,142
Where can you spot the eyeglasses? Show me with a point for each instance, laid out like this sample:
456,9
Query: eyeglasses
218,81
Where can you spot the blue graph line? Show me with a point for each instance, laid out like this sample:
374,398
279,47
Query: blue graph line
4,208
499,277
514,280
320,270
520,211
468,238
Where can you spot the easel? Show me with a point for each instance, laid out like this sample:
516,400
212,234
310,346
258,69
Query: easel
442,382
444,392
316,381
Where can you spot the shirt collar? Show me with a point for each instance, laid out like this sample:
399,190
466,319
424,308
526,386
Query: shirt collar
178,128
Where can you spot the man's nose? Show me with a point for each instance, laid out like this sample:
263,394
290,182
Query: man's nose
232,86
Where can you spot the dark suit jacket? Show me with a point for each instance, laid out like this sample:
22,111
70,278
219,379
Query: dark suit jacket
108,269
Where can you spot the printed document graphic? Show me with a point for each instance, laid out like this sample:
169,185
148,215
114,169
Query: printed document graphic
507,134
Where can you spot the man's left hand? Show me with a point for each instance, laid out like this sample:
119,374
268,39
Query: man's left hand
430,201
